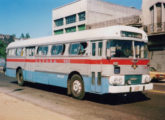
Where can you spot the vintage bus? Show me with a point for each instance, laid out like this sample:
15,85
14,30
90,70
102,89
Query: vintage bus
101,61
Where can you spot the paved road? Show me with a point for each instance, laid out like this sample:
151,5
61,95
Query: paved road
147,106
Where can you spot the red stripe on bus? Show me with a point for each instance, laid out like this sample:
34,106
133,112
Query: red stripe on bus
82,61
15,60
30,60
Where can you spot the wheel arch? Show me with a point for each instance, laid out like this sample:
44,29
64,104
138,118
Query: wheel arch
18,69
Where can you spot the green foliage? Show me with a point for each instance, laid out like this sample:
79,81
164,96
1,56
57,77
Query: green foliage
3,44
22,36
26,36
2,49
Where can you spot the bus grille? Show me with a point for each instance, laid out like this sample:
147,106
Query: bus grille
133,79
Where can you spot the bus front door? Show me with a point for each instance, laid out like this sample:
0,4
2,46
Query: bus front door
96,66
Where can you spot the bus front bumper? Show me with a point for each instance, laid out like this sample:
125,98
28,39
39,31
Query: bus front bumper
130,88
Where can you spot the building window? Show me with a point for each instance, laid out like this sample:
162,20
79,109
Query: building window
152,14
81,16
159,14
70,19
71,29
81,27
57,32
59,22
152,19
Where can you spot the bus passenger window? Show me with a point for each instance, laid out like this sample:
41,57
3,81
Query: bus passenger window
74,49
30,51
57,49
100,48
83,47
93,49
19,52
11,52
42,50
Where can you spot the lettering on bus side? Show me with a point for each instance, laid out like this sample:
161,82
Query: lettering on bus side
66,61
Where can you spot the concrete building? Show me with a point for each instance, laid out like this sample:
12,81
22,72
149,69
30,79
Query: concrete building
153,12
85,14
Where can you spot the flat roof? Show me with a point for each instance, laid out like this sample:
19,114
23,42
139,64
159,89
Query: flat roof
112,32
131,7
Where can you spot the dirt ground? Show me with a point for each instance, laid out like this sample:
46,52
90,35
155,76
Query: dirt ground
14,109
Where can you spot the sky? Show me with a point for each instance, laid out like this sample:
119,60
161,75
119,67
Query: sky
35,16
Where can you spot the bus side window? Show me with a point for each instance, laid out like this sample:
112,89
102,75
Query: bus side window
10,52
13,52
19,52
82,49
30,51
74,49
100,47
42,50
93,49
58,49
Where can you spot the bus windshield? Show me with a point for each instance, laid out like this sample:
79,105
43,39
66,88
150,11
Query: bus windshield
120,48
141,50
124,49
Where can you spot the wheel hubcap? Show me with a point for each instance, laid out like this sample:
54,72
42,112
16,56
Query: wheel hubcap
77,86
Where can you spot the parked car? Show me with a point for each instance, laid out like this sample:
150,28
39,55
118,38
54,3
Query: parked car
155,75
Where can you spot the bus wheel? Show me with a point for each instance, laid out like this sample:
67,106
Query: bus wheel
77,87
20,77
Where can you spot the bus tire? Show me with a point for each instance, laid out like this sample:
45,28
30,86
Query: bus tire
77,87
20,80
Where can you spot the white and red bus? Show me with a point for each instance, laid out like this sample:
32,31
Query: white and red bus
105,60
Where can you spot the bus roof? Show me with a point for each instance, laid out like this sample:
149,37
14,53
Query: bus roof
113,32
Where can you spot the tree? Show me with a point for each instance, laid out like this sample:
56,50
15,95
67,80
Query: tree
11,39
22,36
2,49
27,36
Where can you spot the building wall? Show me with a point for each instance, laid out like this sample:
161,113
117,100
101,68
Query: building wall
157,59
100,11
96,11
154,24
130,20
67,10
146,13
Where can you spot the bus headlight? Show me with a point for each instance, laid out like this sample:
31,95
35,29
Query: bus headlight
116,80
146,79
